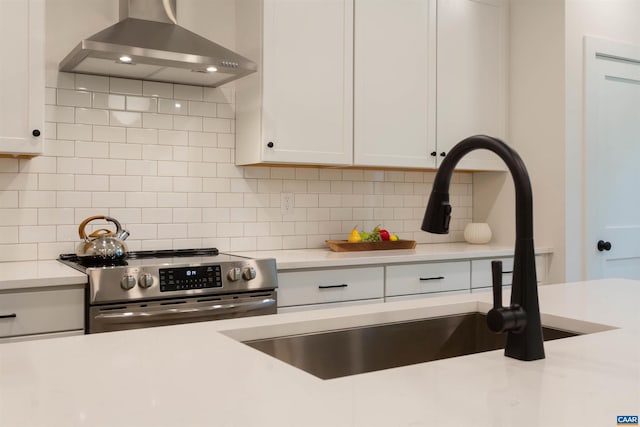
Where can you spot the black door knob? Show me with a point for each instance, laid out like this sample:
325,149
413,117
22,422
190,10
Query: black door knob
36,132
604,246
270,144
433,153
443,154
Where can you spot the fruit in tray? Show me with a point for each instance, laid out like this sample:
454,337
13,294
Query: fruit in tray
376,235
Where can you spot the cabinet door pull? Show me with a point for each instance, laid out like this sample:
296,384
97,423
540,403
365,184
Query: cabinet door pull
431,278
8,316
344,285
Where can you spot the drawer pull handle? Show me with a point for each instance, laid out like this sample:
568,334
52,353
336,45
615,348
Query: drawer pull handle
8,316
431,278
344,285
507,272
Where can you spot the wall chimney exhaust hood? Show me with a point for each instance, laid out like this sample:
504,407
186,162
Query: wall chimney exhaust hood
147,44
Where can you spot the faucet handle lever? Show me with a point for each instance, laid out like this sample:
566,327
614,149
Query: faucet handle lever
499,318
496,276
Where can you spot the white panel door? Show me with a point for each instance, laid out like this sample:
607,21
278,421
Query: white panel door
21,76
308,81
472,77
394,83
612,159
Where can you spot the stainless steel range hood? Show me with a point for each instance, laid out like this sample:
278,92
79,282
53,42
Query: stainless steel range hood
147,44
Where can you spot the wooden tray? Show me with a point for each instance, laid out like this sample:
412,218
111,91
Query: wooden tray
345,246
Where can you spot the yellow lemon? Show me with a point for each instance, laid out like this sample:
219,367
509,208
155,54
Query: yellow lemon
393,238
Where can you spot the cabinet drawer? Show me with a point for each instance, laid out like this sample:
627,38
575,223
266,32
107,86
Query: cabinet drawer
429,295
481,271
36,312
428,277
322,286
307,307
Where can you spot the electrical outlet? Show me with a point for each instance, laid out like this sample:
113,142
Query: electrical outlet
286,203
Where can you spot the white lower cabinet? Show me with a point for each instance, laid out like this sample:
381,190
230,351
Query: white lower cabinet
28,313
340,285
308,289
410,279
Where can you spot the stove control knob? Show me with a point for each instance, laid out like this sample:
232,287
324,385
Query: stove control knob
234,274
146,280
249,273
127,282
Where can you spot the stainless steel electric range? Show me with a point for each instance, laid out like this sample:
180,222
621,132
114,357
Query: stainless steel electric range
156,288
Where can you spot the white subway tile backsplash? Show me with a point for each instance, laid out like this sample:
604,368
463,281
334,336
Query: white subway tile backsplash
173,137
125,86
92,83
108,101
108,167
190,123
74,131
157,184
172,168
172,106
157,89
109,134
8,235
124,148
157,121
139,103
37,165
21,216
142,136
141,167
193,93
157,152
125,118
205,109
110,199
37,233
9,199
125,151
73,199
210,124
92,149
74,98
125,183
37,199
59,114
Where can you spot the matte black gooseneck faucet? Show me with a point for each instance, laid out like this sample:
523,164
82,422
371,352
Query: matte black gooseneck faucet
521,321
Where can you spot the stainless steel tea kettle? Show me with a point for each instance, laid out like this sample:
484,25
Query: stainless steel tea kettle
102,244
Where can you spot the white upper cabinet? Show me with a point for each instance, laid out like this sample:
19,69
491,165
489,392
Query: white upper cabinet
471,76
394,83
298,108
21,77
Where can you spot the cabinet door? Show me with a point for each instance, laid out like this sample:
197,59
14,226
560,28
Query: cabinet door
471,76
308,81
394,83
21,76
481,271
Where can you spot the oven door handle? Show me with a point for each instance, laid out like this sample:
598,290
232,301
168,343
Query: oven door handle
235,307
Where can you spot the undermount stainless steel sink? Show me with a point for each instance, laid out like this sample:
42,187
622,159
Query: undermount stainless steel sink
339,353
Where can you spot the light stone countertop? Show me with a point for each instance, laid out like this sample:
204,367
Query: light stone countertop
30,274
35,274
319,258
200,375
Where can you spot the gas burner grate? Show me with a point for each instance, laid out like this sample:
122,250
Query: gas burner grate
170,253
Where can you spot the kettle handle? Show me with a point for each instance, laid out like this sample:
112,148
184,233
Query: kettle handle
83,224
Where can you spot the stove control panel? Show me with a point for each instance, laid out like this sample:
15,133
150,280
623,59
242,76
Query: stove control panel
185,278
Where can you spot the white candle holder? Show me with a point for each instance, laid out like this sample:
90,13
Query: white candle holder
477,233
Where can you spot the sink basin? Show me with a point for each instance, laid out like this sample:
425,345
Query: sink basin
339,353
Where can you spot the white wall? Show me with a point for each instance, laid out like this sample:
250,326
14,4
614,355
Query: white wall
614,19
536,129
